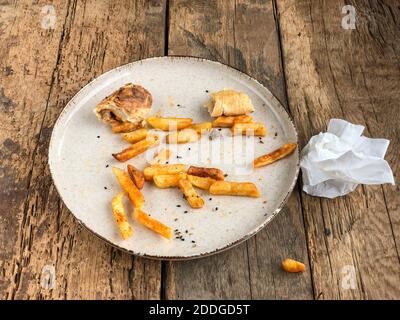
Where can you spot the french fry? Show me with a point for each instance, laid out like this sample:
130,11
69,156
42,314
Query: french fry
158,169
164,181
290,265
129,187
247,189
201,127
254,128
161,156
228,121
169,124
135,136
136,176
124,127
276,155
201,182
182,136
153,224
213,173
120,217
195,201
137,148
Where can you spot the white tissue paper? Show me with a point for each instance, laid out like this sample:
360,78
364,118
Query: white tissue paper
335,162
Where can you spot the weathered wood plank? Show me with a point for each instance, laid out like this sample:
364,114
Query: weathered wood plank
355,75
96,36
224,31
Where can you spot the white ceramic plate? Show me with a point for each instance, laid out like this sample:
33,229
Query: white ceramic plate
80,159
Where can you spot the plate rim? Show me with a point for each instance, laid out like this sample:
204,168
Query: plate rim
277,103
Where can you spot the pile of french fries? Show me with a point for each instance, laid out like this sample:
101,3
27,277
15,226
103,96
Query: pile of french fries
180,130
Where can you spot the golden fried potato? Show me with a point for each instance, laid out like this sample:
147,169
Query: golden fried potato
201,127
120,217
158,169
276,155
228,121
164,181
129,187
183,136
195,201
252,128
213,173
136,176
121,127
135,136
137,148
169,124
290,265
247,189
153,224
201,182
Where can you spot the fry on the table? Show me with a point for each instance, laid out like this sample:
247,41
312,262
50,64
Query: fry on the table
120,217
124,127
135,136
183,136
251,128
162,156
136,176
276,155
201,127
291,265
246,189
129,187
169,124
137,148
201,182
164,181
158,169
228,121
213,173
194,200
153,224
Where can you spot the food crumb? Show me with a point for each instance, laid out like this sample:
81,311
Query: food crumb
265,201
225,175
327,232
176,219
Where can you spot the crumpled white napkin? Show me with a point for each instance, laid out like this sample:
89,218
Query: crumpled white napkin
335,162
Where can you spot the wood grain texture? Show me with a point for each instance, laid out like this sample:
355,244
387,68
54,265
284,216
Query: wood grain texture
224,31
354,75
40,230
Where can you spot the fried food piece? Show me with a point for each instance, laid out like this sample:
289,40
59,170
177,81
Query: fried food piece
137,148
120,217
152,223
194,200
136,176
228,121
290,265
158,169
251,128
276,155
247,189
201,127
135,136
201,182
164,181
183,136
229,103
124,127
129,187
213,173
169,124
162,156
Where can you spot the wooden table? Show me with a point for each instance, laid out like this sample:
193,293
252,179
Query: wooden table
297,48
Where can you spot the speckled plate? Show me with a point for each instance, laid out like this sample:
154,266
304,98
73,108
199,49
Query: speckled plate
80,159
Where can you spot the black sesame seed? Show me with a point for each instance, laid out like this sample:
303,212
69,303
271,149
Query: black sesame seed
107,166
207,91
176,230
276,134
167,162
178,157
185,211
98,137
186,231
182,239
189,148
176,219
105,188
216,208
225,175
261,141
178,205
193,241
178,105
219,129
210,199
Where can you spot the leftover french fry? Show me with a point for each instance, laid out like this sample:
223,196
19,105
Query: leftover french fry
137,148
276,155
169,124
158,169
228,121
153,224
201,127
136,176
129,187
183,136
161,156
201,182
194,200
124,127
213,173
247,189
164,181
120,217
252,128
135,136
290,265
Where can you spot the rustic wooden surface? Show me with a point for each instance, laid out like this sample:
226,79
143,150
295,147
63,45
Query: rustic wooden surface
297,48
